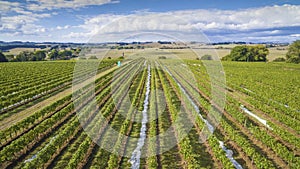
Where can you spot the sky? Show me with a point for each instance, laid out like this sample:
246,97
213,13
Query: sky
120,20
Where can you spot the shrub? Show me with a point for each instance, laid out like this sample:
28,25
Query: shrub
206,57
93,57
279,60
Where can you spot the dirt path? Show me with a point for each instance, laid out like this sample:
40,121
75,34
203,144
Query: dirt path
13,119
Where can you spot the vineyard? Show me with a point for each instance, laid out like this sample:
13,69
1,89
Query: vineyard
149,113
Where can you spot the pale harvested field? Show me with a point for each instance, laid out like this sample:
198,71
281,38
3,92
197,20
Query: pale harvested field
217,50
16,51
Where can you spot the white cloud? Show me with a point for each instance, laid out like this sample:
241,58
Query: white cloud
274,32
252,37
6,6
264,22
41,5
22,24
257,18
26,13
78,35
194,21
62,27
295,35
22,18
31,29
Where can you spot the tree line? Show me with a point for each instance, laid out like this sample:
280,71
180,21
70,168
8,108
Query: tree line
40,55
259,53
248,53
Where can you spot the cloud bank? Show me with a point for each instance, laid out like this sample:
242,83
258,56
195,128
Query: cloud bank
262,24
270,23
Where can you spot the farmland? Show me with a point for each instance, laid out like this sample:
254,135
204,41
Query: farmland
149,113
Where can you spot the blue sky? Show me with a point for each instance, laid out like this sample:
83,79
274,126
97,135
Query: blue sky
114,20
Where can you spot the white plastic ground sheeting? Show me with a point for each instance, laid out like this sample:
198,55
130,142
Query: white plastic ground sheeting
136,155
210,127
35,156
229,154
248,90
263,121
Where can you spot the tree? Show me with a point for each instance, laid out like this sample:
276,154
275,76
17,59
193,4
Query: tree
293,54
53,54
10,57
260,53
244,53
238,53
206,57
65,54
40,55
2,57
75,52
23,56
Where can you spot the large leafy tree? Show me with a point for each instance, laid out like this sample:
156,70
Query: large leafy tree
53,54
245,53
2,57
65,54
40,55
260,53
23,56
293,54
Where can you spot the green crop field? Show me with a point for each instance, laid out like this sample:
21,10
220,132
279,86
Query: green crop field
47,121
